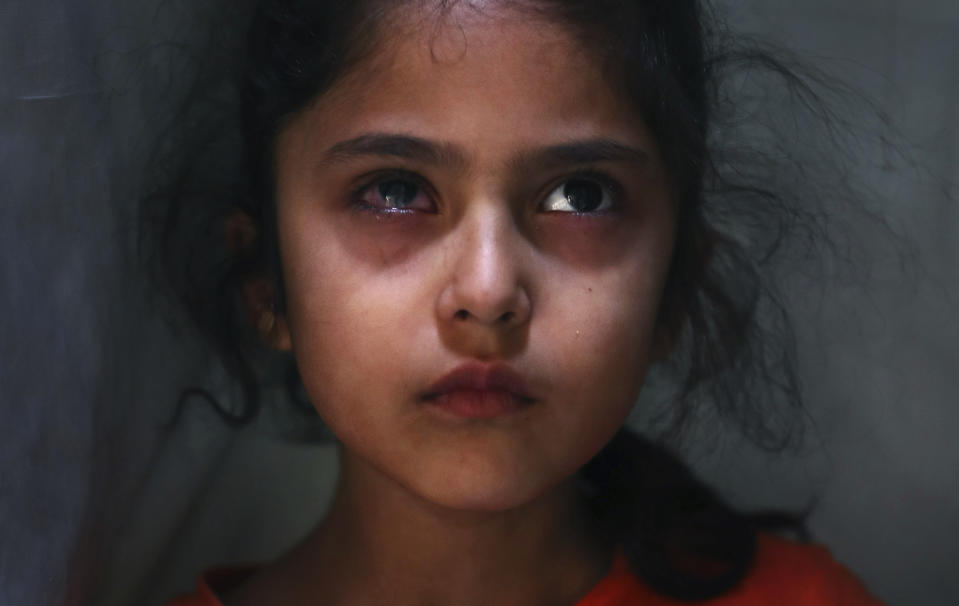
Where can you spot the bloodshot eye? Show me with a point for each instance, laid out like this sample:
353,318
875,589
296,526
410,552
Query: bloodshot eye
579,195
393,194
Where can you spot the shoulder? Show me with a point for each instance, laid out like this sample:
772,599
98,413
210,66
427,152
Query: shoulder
784,573
211,584
798,574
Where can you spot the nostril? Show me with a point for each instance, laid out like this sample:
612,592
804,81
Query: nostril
506,318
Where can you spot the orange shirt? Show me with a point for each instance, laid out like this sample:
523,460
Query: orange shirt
784,573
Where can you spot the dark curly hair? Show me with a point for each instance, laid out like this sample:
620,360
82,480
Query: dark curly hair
694,83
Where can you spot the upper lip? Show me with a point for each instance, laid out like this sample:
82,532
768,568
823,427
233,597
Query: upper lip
478,376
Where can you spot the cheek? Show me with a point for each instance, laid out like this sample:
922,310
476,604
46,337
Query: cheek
583,243
350,323
615,349
378,241
600,333
599,361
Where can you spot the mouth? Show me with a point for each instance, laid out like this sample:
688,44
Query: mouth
475,404
479,391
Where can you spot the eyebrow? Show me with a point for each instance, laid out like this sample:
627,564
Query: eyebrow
424,151
396,146
587,151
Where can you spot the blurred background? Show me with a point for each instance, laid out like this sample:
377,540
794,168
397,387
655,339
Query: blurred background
98,505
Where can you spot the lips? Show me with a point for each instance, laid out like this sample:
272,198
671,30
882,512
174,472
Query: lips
475,376
476,390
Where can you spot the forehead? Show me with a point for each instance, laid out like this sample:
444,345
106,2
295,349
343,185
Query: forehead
478,75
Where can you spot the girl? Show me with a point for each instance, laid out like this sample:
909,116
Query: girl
476,225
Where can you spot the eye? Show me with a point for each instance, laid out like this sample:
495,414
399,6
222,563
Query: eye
580,195
393,194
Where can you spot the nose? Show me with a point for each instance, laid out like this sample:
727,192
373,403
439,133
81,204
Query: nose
487,282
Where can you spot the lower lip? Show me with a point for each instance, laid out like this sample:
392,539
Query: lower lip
473,404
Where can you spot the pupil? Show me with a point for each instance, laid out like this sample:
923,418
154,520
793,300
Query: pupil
397,194
583,196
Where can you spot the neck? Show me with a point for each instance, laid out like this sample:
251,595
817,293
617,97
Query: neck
380,543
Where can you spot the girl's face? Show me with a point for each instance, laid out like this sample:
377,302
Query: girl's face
473,193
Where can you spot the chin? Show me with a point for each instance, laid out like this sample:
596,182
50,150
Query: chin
486,491
480,502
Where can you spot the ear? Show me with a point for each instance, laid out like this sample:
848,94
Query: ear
259,299
257,291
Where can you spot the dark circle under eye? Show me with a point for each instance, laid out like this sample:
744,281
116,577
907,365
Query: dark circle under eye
397,193
583,195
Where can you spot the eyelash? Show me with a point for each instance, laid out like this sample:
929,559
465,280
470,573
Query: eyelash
356,197
610,186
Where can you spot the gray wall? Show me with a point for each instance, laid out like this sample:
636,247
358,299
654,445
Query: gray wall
880,361
96,508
